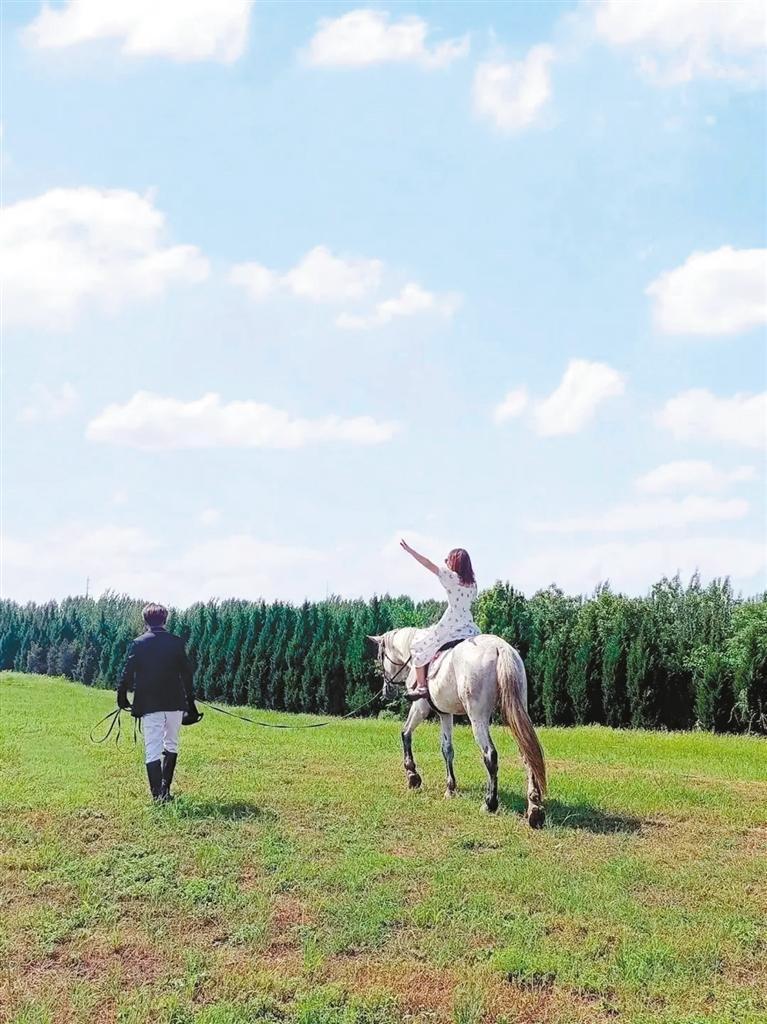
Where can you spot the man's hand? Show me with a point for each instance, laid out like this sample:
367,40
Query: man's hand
122,700
191,716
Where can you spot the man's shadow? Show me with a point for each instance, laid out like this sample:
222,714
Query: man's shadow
229,810
582,816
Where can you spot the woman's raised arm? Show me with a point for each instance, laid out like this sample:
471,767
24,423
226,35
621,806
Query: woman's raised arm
425,562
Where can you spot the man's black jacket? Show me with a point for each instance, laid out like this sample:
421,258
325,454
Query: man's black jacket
159,674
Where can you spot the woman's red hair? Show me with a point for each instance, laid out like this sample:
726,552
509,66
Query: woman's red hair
458,561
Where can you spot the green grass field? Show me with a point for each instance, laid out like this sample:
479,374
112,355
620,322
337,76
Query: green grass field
296,880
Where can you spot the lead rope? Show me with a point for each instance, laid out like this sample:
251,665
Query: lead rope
115,721
281,725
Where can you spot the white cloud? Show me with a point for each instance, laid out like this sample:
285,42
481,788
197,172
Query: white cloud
718,292
319,276
50,403
633,566
69,247
511,95
364,37
244,566
257,280
151,421
691,475
210,516
664,513
584,387
514,404
57,563
411,301
184,30
701,416
572,405
128,560
678,40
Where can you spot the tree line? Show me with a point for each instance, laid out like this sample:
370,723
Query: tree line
680,657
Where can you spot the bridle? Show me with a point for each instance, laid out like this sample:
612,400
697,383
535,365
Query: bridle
393,680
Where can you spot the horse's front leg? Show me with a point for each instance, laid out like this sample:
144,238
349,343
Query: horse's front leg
447,752
419,712
481,732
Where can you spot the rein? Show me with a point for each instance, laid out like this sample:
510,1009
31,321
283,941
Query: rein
280,725
114,723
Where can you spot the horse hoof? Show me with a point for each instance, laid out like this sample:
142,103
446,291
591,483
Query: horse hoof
490,806
449,794
414,781
536,817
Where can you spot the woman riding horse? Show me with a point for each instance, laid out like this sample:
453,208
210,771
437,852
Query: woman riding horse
457,577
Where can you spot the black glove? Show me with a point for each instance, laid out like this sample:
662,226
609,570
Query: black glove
192,715
122,700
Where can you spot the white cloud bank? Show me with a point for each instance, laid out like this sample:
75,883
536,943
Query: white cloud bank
129,560
364,37
70,247
584,387
183,30
678,40
634,565
512,94
692,475
718,292
649,516
319,276
155,422
699,415
411,301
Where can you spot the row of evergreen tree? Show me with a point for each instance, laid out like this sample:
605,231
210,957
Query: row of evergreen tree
681,657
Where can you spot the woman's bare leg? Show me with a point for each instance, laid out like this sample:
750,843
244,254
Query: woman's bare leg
420,690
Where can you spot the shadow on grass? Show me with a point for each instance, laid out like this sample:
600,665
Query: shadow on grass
231,810
583,817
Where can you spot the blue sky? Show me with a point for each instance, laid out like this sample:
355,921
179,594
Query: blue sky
485,275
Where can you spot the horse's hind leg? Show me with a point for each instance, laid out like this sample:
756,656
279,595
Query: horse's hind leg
418,713
481,732
447,752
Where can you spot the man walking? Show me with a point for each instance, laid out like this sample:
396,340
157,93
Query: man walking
160,676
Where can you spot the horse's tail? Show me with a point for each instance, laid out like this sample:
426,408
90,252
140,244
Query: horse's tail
512,692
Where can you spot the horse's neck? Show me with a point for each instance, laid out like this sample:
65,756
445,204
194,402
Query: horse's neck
401,641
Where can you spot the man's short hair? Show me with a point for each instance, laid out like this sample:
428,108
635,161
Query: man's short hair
155,615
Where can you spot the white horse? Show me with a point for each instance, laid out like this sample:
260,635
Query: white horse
471,679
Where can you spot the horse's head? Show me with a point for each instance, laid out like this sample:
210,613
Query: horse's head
391,664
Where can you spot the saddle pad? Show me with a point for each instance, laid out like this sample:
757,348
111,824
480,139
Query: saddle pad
433,664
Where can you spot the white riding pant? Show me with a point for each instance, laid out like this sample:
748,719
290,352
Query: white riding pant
160,730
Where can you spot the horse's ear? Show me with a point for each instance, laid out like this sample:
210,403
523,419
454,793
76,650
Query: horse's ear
373,643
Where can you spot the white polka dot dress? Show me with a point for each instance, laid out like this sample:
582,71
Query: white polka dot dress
456,622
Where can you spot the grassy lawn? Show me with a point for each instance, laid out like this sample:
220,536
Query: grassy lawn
295,879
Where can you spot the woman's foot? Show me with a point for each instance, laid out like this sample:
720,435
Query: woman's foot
419,693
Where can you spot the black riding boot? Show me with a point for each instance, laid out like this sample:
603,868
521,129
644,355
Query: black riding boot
168,767
154,772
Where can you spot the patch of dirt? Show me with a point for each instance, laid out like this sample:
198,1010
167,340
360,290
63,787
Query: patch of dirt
133,963
755,841
419,988
287,915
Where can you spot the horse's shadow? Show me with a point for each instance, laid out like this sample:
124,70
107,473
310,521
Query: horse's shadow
581,816
230,810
